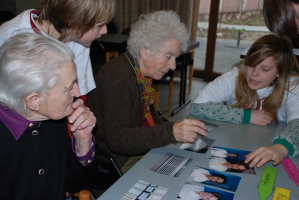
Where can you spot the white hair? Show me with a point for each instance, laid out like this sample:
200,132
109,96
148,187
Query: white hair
152,30
29,63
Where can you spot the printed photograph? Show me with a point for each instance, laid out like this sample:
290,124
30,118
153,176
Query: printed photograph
201,145
228,153
143,190
198,192
171,165
230,165
209,125
214,178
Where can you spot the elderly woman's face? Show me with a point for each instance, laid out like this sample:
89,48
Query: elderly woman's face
57,102
159,63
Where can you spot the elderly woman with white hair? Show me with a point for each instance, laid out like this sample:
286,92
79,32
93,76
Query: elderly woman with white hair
37,89
128,125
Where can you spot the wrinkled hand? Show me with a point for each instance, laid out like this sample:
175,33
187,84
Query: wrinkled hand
260,156
82,122
259,117
186,130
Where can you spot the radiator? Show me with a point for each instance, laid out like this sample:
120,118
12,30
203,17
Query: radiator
22,5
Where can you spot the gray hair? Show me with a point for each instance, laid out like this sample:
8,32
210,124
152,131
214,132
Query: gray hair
153,29
29,63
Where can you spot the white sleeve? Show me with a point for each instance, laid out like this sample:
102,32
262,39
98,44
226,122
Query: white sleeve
198,175
219,152
21,23
215,164
219,90
188,192
85,77
292,104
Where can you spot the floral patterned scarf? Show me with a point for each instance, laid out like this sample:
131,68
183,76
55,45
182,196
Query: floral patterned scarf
145,86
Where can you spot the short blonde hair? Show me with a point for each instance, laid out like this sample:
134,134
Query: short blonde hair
80,15
153,29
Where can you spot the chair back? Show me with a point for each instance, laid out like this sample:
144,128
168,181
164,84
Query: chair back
97,53
107,174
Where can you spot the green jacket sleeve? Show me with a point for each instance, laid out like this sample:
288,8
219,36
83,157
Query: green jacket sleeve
220,112
289,137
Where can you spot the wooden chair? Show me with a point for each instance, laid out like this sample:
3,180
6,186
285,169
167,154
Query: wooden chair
108,173
109,55
83,195
191,72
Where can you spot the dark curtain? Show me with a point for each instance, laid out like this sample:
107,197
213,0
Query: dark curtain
130,10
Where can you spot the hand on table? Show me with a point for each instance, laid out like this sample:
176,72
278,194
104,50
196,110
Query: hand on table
260,156
260,117
82,122
186,130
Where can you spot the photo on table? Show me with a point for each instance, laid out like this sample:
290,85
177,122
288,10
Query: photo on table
214,178
143,190
197,192
201,145
209,125
171,165
228,153
230,165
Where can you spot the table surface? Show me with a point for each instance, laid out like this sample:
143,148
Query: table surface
192,45
237,136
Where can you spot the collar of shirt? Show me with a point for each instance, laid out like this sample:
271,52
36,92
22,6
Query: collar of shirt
34,15
15,122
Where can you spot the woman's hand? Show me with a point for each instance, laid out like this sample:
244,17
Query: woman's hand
260,156
82,122
186,130
259,117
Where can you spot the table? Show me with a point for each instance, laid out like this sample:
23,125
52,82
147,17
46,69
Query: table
113,42
113,38
186,60
237,136
243,54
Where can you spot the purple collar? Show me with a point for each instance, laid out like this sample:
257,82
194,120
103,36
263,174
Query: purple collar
15,122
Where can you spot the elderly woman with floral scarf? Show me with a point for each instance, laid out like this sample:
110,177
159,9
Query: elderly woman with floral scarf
128,125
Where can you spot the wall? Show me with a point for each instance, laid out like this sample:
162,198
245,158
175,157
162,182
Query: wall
252,5
204,6
230,6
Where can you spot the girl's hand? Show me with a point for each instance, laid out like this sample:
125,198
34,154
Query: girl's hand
259,117
186,130
260,156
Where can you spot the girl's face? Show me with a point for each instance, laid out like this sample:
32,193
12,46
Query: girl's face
262,75
94,33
